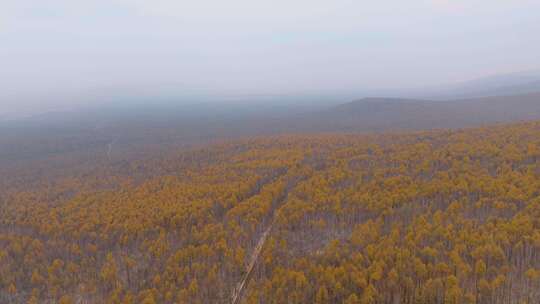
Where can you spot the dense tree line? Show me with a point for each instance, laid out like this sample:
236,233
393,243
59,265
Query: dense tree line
449,216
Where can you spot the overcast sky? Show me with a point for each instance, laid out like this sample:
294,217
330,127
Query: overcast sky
57,52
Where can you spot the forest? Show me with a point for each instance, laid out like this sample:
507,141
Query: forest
441,216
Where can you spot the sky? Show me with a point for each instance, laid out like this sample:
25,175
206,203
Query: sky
62,52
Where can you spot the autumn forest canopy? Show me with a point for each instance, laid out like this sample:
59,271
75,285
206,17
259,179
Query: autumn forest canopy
442,216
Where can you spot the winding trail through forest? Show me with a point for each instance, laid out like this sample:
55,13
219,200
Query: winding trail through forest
236,297
239,290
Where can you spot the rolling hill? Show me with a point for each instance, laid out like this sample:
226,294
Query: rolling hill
394,113
148,129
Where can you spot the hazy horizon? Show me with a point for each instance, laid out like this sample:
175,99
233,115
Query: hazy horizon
62,53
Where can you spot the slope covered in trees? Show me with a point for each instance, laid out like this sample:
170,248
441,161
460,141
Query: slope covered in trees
127,132
449,216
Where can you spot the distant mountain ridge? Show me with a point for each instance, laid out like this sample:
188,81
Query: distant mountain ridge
138,129
399,113
497,85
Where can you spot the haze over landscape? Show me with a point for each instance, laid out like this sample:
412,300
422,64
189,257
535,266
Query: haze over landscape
62,54
284,152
